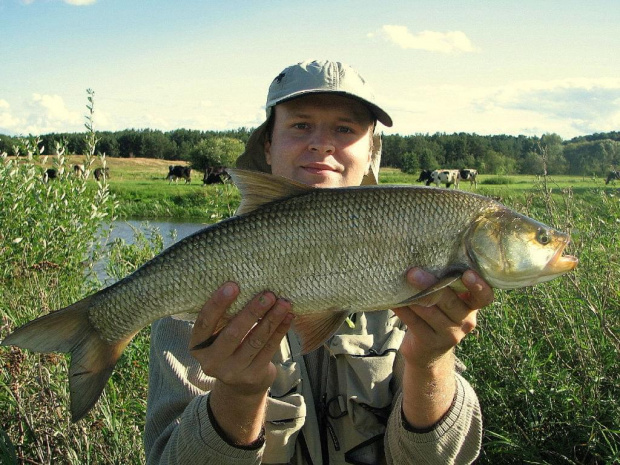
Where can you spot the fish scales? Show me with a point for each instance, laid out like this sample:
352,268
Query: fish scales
341,249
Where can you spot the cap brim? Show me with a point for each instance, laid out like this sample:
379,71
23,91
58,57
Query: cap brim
378,113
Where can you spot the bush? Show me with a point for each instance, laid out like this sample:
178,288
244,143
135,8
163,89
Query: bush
215,151
498,180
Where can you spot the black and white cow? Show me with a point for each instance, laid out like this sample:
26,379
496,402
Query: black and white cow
426,176
612,177
447,177
101,173
179,172
215,175
470,175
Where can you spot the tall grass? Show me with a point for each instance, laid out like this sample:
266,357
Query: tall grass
543,360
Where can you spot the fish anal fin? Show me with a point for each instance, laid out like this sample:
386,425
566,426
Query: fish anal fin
92,358
258,188
428,296
314,329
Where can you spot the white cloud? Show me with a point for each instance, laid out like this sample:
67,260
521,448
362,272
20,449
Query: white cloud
431,41
567,107
586,105
48,113
8,122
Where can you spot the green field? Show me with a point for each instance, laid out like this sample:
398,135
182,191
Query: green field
543,360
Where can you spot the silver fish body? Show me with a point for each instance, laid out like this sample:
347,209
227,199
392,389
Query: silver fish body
329,251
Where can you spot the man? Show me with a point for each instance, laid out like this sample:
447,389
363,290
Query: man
381,390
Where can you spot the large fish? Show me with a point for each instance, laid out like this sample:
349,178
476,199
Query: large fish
329,251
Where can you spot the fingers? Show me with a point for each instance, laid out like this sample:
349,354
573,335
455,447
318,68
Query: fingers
480,293
236,330
211,313
252,336
456,313
265,336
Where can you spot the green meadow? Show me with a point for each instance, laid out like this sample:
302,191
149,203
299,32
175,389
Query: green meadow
543,360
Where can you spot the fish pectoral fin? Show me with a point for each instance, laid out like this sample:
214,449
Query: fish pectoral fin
258,188
316,328
427,296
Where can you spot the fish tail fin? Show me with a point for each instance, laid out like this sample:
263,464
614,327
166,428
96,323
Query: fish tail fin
92,358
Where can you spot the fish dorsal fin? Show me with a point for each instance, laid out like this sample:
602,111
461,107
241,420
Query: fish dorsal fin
426,297
260,188
316,328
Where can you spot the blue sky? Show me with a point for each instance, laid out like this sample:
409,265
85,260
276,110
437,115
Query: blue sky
501,67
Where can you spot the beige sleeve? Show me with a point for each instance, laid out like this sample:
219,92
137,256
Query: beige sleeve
178,429
456,439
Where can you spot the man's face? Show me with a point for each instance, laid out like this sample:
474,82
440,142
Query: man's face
322,140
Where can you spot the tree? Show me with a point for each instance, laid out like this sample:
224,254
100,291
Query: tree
215,151
108,144
428,161
410,163
157,145
553,153
531,163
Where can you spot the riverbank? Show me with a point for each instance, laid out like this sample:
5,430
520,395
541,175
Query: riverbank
141,190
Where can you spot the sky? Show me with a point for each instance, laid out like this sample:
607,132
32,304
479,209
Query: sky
503,67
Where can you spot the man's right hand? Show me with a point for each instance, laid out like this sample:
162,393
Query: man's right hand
239,358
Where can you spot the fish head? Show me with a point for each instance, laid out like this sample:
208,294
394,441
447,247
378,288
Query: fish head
513,251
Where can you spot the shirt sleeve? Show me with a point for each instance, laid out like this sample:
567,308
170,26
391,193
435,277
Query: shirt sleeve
178,428
455,439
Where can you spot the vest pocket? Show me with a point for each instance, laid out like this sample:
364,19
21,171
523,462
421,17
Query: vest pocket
285,415
359,399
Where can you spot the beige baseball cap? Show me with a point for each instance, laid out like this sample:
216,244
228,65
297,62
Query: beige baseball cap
315,77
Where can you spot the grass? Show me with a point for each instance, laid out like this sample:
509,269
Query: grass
543,360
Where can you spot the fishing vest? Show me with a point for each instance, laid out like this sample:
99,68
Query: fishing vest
358,382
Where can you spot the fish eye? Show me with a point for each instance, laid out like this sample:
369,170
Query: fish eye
543,237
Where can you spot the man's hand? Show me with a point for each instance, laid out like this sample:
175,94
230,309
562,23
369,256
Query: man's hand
240,357
432,333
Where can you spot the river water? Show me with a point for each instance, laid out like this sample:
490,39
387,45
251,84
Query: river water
124,229
171,232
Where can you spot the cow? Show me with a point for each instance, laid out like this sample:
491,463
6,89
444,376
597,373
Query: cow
469,175
50,173
78,170
215,175
612,177
178,171
426,175
447,177
101,173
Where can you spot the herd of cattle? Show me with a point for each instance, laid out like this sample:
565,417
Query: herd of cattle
212,175
79,171
449,177
218,175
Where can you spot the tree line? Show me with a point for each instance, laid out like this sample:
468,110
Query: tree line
590,155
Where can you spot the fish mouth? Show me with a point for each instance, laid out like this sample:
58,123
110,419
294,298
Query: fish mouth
561,263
